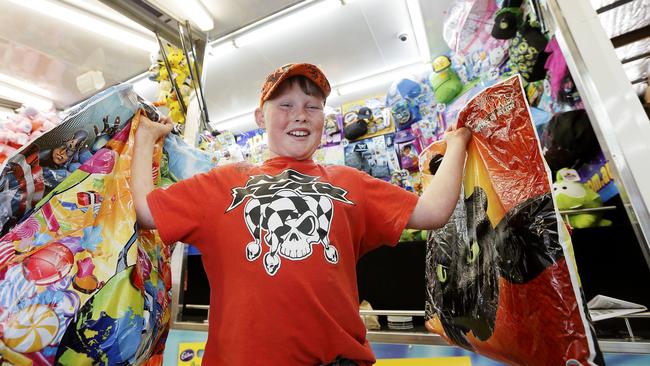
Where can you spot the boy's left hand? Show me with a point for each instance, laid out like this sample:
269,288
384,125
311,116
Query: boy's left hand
459,136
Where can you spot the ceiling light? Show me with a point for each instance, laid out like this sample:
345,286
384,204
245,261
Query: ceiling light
273,27
238,124
222,48
26,86
382,78
418,29
197,13
24,97
71,15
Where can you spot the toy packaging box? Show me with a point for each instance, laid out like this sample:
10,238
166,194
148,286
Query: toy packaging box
366,118
408,148
375,156
500,276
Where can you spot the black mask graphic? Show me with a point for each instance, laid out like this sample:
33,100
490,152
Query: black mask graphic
467,256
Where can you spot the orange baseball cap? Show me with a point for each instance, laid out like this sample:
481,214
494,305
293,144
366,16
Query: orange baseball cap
311,72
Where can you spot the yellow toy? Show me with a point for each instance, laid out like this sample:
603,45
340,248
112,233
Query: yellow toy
180,74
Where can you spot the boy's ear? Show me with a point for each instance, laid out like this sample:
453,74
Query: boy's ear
259,118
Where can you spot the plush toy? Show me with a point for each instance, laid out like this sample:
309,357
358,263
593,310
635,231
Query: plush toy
444,80
180,74
570,194
27,124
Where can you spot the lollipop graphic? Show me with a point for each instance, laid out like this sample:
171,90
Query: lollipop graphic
31,329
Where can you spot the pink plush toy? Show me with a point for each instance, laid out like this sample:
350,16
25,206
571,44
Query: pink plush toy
26,125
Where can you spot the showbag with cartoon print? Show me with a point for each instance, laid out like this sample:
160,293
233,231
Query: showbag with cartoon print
38,167
79,283
501,280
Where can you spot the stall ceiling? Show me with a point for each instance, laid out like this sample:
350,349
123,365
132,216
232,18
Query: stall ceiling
50,53
357,39
348,43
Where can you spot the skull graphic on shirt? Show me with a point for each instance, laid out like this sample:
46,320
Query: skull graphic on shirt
290,213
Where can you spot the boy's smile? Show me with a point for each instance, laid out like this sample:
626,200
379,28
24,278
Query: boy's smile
294,123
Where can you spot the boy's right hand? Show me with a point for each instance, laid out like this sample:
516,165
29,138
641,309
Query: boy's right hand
149,130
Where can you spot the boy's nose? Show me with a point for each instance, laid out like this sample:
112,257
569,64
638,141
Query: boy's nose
301,115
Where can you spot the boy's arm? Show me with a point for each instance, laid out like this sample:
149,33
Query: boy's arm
141,178
438,201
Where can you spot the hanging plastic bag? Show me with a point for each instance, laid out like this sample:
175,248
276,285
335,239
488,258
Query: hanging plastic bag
468,32
79,283
501,280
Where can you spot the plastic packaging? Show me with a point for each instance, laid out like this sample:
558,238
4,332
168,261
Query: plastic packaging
79,283
500,277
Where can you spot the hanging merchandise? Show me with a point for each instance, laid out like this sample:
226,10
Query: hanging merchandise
333,129
180,74
41,165
366,118
508,19
408,149
375,156
80,283
330,155
570,194
444,80
220,149
556,67
569,140
500,277
254,145
527,53
404,99
467,31
26,125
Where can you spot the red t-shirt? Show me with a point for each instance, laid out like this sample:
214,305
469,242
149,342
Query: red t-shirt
280,243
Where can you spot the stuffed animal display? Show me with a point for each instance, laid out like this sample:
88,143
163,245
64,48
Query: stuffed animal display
180,74
26,125
570,194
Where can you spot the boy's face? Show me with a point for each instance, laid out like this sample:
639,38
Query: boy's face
294,123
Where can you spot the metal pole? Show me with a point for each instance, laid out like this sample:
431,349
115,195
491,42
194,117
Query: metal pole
171,77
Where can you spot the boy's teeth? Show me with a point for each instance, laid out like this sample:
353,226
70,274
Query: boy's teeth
298,133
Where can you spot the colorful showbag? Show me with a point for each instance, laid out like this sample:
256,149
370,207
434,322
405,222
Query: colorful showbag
79,283
501,280
41,165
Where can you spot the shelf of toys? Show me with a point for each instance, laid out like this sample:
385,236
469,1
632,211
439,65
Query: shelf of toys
383,134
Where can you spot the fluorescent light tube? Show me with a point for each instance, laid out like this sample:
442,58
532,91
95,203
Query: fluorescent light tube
26,86
382,78
24,97
240,123
275,26
419,30
222,48
90,23
197,13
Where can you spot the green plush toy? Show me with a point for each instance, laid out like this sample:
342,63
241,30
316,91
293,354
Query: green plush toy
570,194
444,80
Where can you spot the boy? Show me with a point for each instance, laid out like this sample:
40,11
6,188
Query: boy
277,296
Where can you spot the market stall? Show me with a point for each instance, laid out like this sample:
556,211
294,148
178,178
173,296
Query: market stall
401,73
